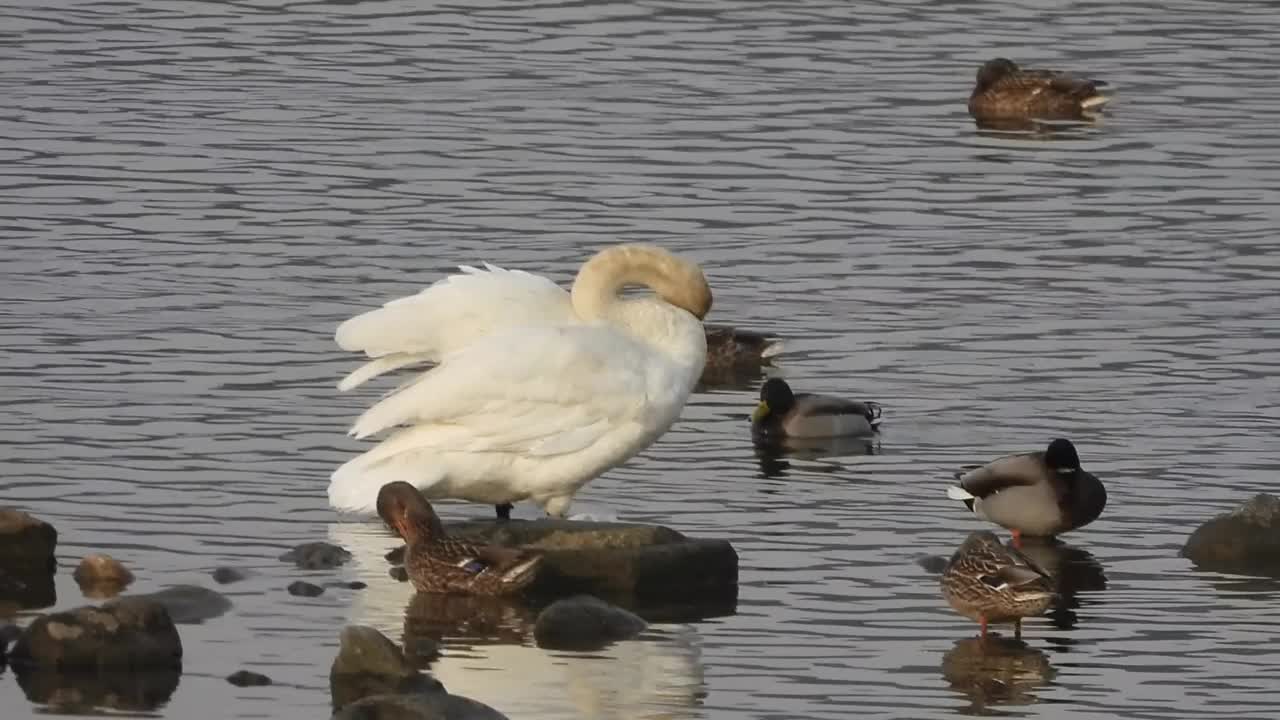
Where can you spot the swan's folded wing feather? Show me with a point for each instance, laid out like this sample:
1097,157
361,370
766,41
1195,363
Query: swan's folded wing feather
532,391
453,313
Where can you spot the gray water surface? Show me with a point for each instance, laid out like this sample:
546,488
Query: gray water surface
194,194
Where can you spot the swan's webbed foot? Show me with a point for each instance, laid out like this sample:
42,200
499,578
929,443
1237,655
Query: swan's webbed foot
504,511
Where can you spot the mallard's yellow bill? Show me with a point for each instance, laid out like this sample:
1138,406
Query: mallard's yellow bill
762,411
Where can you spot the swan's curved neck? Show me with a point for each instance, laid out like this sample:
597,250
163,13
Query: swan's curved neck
678,282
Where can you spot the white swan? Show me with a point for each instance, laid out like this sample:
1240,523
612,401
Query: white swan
537,391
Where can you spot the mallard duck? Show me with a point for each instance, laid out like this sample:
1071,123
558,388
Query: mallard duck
537,391
437,563
1005,91
782,413
1039,493
989,583
729,348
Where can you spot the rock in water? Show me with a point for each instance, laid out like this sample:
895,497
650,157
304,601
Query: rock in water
189,604
27,562
304,589
584,622
317,556
101,576
129,633
370,664
228,575
440,706
25,542
247,678
1245,541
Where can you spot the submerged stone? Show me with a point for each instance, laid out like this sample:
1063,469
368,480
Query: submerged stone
584,622
189,604
440,706
1244,541
248,678
368,663
317,556
304,589
228,575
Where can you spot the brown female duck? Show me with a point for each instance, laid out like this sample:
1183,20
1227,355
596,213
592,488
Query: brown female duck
1006,92
1039,493
783,413
729,348
989,583
437,563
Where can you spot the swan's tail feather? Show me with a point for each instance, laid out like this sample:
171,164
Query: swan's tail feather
353,487
380,366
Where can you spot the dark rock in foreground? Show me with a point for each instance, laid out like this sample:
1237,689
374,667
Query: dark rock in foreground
370,664
440,706
583,622
25,542
189,604
642,562
1245,541
299,588
247,678
87,692
130,633
27,562
317,556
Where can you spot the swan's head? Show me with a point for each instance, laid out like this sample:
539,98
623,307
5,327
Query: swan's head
677,281
406,511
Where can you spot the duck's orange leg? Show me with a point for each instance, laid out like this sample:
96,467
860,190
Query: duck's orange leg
1017,539
982,623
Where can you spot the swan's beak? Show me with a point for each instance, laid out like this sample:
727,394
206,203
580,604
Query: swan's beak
762,411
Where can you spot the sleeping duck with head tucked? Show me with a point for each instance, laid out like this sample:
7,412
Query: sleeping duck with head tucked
437,563
1005,91
1041,494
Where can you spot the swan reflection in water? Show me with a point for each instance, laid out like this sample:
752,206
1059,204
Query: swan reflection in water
996,671
487,653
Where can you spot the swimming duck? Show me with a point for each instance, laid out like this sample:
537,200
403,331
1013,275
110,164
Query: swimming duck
536,391
437,563
782,413
989,583
729,348
1039,493
1005,91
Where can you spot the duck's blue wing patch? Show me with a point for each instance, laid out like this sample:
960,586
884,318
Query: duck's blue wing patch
475,566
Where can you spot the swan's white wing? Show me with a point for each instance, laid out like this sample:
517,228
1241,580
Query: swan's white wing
449,315
528,391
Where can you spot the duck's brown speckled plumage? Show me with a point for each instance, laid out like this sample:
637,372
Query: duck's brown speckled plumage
990,583
729,348
437,563
1004,91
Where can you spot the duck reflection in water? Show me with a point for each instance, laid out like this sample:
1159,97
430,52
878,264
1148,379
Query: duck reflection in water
996,671
774,455
1074,571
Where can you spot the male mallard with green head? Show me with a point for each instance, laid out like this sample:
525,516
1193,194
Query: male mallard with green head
782,413
1004,92
437,563
1039,493
989,583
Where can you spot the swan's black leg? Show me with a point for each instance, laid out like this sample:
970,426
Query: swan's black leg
504,511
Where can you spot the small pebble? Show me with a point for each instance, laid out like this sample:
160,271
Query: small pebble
317,556
304,589
399,573
227,575
245,678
